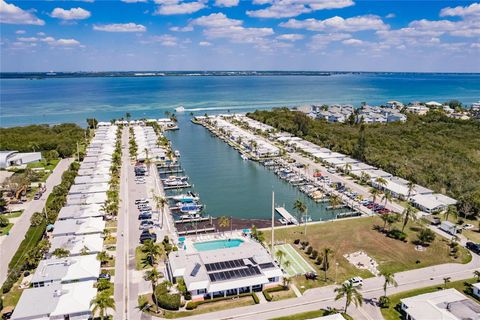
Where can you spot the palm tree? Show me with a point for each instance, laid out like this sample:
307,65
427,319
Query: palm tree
335,201
389,280
381,181
410,186
451,210
302,209
408,213
286,281
103,257
306,166
152,252
223,222
279,254
101,303
326,264
375,193
347,167
350,294
153,276
476,274
387,196
446,280
286,264
364,177
160,202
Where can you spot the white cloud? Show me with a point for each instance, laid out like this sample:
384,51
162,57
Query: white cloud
215,20
27,39
320,41
292,8
165,40
353,24
204,44
41,34
120,27
353,42
239,34
133,1
11,14
51,41
290,37
72,14
226,3
390,16
471,10
20,32
172,7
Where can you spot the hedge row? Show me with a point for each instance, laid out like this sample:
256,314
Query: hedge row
194,304
268,296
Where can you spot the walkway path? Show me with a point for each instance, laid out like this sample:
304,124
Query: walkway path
10,244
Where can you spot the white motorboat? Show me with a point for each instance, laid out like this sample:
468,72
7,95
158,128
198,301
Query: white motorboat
180,109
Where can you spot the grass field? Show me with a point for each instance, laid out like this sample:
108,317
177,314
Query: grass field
308,315
297,264
44,165
352,235
392,314
6,229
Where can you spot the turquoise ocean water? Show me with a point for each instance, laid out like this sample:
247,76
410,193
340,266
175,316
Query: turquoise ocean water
55,100
227,184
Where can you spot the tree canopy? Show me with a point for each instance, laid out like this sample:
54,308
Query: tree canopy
34,138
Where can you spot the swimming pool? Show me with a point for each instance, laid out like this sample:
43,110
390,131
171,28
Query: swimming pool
217,244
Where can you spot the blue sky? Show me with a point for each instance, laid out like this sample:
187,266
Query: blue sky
98,35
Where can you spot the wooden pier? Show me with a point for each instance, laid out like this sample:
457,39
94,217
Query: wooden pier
286,215
192,220
183,186
179,170
187,232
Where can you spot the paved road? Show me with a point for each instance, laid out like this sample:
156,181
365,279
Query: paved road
323,297
129,282
10,243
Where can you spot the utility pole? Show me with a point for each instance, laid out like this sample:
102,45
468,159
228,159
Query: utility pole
273,223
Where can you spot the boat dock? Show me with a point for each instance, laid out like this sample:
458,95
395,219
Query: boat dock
193,231
187,185
177,170
286,215
192,220
169,166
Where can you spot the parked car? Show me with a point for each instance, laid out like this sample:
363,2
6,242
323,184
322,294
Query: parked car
7,315
37,196
147,235
468,226
146,224
144,216
475,247
104,276
141,201
355,281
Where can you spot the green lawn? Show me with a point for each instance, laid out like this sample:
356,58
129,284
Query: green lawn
308,315
347,236
392,314
43,164
139,257
10,299
203,308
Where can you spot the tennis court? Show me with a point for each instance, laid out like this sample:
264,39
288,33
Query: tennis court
297,265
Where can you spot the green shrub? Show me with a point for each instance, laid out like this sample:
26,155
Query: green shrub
169,301
194,304
267,295
255,298
296,241
397,234
309,250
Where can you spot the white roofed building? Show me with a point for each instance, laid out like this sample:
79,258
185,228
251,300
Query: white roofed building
226,271
444,304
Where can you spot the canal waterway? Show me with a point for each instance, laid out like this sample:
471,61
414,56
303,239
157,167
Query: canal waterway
231,186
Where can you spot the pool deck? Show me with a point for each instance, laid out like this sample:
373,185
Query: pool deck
190,240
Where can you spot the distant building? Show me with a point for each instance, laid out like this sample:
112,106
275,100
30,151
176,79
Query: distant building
445,304
15,158
476,289
418,109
